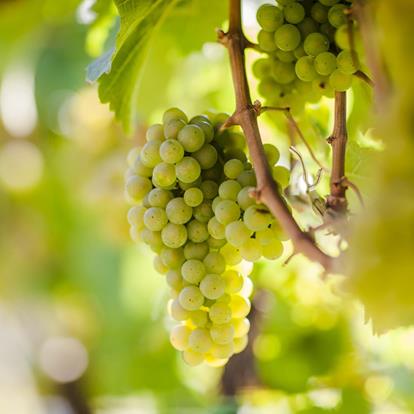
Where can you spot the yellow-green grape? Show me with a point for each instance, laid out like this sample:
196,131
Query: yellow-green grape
199,318
152,238
328,2
173,127
164,175
215,203
306,27
322,86
257,218
173,113
171,151
287,37
186,186
233,168
340,81
316,43
237,233
192,358
266,41
305,69
197,231
172,258
179,337
139,168
200,341
188,170
342,38
223,351
243,198
281,175
206,156
233,280
155,133
251,250
209,189
220,313
285,56
137,187
174,279
159,197
174,235
159,266
227,211
299,52
346,62
195,250
203,212
272,250
193,197
239,344
325,63
319,13
150,154
178,211
272,153
337,16
268,88
136,216
222,334
241,327
328,30
191,298
261,68
176,311
294,12
215,228
229,189
193,271
240,306
206,126
231,254
214,263
269,17
215,244
191,137
283,72
247,179
279,233
212,286
265,236
135,234
155,219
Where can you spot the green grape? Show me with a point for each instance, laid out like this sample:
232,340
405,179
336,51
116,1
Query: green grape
192,358
179,337
233,168
159,266
346,63
247,179
268,88
187,170
172,258
239,344
316,43
329,2
243,198
294,12
173,127
137,187
257,218
136,216
149,155
328,30
176,311
186,186
285,56
272,250
193,197
197,231
215,228
200,341
319,13
164,175
337,16
155,218
287,37
212,286
152,238
139,168
215,203
155,133
214,263
222,352
272,153
145,201
178,211
229,189
299,52
265,236
261,68
199,318
266,41
240,306
206,127
281,175
241,327
251,250
209,189
206,156
279,233
200,118
233,280
269,17
191,298
193,271
222,334
191,137
203,212
321,85
195,250
215,244
173,113
325,63
342,38
237,233
212,174
171,151
174,279
227,211
231,254
340,81
159,197
307,26
236,153
174,235
220,313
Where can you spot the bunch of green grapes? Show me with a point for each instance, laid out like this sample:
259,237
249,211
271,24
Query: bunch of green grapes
308,48
189,186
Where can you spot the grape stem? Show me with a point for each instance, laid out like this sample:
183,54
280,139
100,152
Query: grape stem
245,115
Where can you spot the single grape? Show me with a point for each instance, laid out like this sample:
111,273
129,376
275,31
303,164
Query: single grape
307,26
222,352
159,266
186,186
257,218
287,37
272,250
203,212
139,168
261,68
209,189
206,127
192,358
220,313
239,344
214,263
269,17
187,170
195,250
233,280
173,127
193,271
193,197
178,211
231,254
172,258
316,43
328,30
179,337
215,228
197,231
233,168
159,197
241,327
150,155
199,318
325,63
265,236
251,250
174,279
243,198
191,137
281,175
285,56
240,306
247,179
322,86
342,38
215,244
171,151
155,219
155,133
346,63
176,311
229,189
237,233
173,113
294,12
152,238
227,211
222,334
212,286
137,187
164,175
174,235
136,216
206,156
319,13
299,52
191,298
272,153
340,81
337,16
200,341
268,88
266,41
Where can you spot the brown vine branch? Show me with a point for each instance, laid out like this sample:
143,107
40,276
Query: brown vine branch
362,75
245,115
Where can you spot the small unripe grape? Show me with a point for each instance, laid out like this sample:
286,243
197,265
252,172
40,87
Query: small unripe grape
178,211
171,151
337,16
174,235
212,286
193,197
191,138
159,197
214,263
197,231
195,250
340,81
227,211
155,133
328,30
155,218
137,187
215,228
173,113
287,37
325,63
294,12
316,43
206,156
299,52
266,41
191,298
173,127
319,13
233,168
164,175
209,189
186,186
272,153
220,313
269,17
193,271
188,170
307,26
179,337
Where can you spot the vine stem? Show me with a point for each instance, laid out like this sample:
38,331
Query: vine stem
246,116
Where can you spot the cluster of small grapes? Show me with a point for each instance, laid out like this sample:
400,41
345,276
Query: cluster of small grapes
189,186
309,51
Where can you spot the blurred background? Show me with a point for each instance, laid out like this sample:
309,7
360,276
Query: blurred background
83,326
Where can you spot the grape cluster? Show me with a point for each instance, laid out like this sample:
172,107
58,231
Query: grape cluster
189,186
309,53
